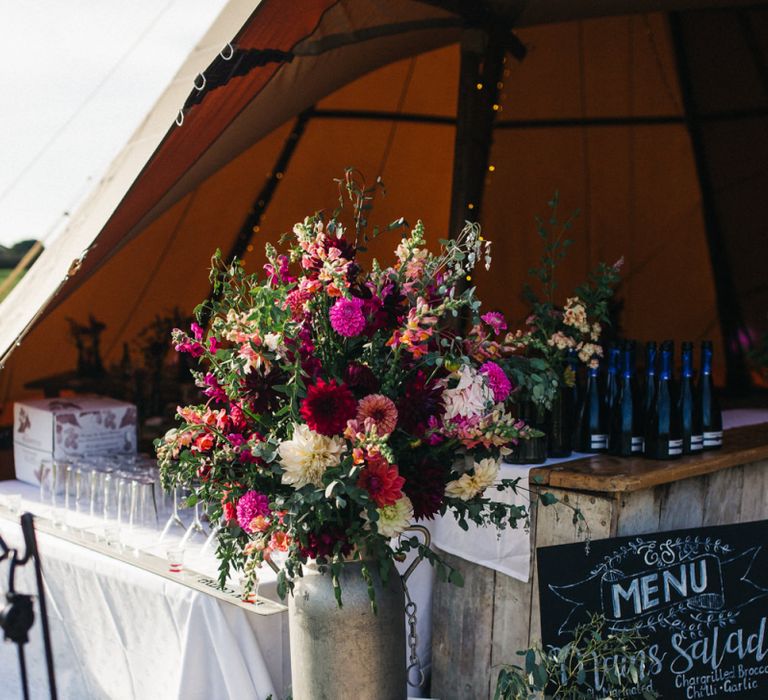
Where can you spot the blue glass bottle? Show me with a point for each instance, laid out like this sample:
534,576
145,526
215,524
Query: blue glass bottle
689,417
591,432
626,434
707,405
662,428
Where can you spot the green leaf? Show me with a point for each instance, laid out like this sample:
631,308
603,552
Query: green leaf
548,499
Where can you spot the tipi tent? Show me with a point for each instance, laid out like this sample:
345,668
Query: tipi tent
653,125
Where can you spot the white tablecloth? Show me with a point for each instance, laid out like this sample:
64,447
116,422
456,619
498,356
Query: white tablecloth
508,550
119,631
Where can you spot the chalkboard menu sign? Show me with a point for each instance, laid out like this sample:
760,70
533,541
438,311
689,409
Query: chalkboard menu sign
700,597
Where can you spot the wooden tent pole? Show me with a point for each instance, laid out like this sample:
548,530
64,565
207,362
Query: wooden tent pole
728,307
482,65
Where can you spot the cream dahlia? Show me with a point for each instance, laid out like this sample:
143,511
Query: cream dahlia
394,519
307,455
466,487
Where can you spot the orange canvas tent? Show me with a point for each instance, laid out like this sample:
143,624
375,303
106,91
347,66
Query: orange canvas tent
652,125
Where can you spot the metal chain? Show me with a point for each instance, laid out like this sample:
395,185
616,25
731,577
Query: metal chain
414,664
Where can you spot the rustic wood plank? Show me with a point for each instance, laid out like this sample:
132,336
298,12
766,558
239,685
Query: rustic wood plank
722,504
554,527
604,473
511,615
462,622
754,495
682,504
638,512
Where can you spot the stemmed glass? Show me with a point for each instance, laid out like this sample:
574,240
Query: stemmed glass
174,522
196,530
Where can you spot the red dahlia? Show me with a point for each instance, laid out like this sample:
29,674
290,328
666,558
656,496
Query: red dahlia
381,480
328,406
425,486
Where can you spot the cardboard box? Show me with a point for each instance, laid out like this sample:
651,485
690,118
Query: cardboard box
69,429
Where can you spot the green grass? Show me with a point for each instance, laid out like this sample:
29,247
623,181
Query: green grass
4,272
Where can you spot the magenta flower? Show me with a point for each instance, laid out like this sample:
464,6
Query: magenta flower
251,505
347,317
213,388
496,321
197,331
497,380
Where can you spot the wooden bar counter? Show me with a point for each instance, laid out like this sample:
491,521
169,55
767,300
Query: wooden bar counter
480,627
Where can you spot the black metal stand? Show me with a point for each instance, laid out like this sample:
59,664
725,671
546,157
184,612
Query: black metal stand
17,617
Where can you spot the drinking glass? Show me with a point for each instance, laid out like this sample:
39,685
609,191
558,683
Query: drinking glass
145,503
174,522
126,499
13,502
196,531
175,557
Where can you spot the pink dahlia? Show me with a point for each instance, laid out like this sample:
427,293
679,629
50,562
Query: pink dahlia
380,410
497,380
327,407
252,505
347,317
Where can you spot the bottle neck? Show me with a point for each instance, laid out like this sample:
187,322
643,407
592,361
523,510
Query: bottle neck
650,362
706,361
628,369
665,371
687,365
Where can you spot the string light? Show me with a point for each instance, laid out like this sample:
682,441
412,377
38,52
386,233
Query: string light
249,248
492,168
470,206
479,86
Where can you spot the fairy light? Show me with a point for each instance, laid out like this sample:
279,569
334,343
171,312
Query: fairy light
249,248
479,86
470,206
491,168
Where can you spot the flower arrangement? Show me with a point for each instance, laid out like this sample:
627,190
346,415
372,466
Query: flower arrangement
340,407
553,330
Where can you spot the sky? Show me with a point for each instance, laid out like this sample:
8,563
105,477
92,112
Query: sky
76,79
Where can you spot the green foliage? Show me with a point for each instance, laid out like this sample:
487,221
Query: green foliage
556,325
594,664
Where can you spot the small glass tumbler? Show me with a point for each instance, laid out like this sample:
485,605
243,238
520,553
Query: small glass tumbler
112,536
13,502
249,587
175,557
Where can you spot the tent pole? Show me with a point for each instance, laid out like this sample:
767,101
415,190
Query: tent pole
482,65
728,307
264,197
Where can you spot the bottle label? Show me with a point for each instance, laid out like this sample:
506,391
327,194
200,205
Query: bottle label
697,443
638,444
598,442
675,447
713,439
